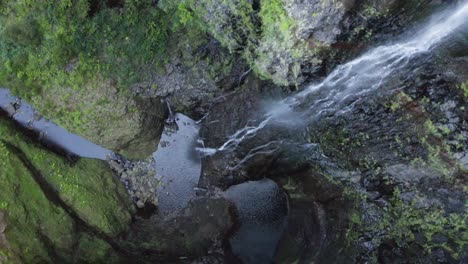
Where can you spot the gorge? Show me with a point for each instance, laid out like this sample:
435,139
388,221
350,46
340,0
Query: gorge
246,131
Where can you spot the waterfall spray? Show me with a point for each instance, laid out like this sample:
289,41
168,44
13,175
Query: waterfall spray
350,82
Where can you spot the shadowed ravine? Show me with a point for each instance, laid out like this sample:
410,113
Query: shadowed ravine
292,177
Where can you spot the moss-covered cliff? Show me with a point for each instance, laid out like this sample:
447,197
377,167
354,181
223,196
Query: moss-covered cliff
99,68
52,210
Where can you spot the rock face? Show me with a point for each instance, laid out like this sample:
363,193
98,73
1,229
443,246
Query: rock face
197,230
287,41
52,211
384,181
198,70
319,20
138,178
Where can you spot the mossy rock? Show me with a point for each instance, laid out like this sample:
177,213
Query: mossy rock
48,203
101,113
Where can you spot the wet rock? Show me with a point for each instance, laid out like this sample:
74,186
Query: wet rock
191,232
241,108
439,238
462,158
375,171
406,174
139,179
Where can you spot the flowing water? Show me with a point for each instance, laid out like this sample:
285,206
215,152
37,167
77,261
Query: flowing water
176,162
351,82
48,131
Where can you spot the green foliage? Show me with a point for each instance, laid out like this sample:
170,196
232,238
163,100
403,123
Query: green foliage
23,32
185,14
47,43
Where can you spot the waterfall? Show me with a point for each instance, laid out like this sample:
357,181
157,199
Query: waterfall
352,81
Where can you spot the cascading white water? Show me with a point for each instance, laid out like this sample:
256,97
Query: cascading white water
350,82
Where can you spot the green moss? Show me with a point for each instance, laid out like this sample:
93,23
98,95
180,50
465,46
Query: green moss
464,88
400,100
432,129
30,213
407,225
82,186
35,224
230,22
274,17
102,251
406,222
278,39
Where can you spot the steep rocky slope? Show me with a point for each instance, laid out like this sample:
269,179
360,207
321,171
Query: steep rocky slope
382,181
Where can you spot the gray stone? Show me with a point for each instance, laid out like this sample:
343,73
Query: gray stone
193,230
410,173
138,177
318,19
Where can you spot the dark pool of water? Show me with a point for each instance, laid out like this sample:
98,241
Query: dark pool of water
262,209
177,164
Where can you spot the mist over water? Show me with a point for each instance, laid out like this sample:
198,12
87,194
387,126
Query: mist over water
353,81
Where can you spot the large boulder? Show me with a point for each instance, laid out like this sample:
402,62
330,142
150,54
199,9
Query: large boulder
99,112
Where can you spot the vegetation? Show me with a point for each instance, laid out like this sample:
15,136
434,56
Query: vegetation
75,43
69,43
36,221
405,223
464,88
